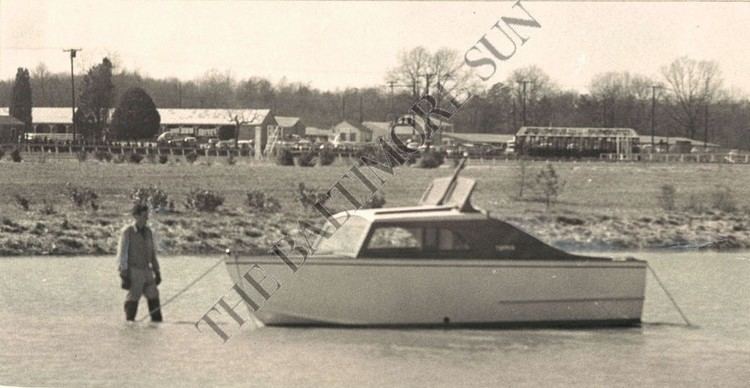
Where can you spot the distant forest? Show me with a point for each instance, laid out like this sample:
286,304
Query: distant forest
690,97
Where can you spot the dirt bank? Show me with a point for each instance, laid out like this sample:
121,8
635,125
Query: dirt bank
91,233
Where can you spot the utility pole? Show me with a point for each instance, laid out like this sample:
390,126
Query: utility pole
73,89
179,92
390,109
705,126
360,108
653,116
515,122
392,85
427,78
523,102
343,106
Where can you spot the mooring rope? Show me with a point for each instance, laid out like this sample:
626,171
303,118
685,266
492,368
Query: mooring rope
674,303
196,280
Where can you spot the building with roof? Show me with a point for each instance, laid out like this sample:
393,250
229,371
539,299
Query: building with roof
405,128
346,131
378,128
49,123
10,129
676,144
493,139
318,135
204,123
576,141
56,123
289,127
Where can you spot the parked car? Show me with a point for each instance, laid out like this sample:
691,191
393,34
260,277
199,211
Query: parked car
225,144
190,141
245,144
303,145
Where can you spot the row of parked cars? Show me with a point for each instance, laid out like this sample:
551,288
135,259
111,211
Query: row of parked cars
170,139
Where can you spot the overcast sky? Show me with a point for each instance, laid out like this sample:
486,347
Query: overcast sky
336,45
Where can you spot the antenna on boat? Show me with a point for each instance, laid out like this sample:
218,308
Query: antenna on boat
452,182
451,190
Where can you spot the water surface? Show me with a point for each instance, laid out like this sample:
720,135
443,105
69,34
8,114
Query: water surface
61,324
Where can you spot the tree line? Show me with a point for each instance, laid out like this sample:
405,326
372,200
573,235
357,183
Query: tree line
689,98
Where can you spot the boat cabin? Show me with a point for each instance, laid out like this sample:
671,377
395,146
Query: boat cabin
445,226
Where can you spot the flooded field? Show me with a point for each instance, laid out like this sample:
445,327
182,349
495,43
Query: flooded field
62,325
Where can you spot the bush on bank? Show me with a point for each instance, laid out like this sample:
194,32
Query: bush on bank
203,200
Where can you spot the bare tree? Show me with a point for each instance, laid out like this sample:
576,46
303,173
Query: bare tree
39,77
694,85
411,69
239,120
216,89
622,97
538,86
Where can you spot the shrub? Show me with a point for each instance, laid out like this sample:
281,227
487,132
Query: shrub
549,185
2,153
695,204
666,197
376,201
191,157
82,196
257,199
308,197
326,157
368,151
15,155
151,157
163,159
203,200
22,202
723,199
521,180
135,158
103,156
47,208
82,156
306,159
231,160
430,159
152,196
284,157
120,158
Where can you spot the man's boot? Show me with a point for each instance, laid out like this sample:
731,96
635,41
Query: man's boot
131,308
153,304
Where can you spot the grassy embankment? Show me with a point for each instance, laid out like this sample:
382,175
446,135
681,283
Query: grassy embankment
603,205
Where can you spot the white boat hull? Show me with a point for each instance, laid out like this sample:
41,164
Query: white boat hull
380,292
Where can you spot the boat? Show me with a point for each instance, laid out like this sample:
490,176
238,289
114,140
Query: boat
442,263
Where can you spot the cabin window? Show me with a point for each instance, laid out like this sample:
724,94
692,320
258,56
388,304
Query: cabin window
399,241
396,238
440,239
451,241
344,241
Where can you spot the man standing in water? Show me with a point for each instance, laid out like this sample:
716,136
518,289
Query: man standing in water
139,268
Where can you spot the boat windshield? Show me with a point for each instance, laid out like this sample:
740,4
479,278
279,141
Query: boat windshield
346,240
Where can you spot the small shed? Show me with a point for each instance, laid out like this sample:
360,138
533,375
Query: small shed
290,126
349,132
10,129
318,135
